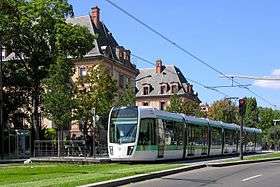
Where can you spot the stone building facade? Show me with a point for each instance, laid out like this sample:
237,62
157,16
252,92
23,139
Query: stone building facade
156,85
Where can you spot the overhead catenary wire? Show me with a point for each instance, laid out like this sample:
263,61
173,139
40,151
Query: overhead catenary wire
197,58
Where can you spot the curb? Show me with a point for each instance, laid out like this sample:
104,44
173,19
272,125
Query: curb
240,162
71,160
142,177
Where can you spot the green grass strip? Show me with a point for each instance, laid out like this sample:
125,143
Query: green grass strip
50,174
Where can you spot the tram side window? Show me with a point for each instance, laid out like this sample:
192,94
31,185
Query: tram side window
216,136
229,137
179,133
147,134
197,132
169,132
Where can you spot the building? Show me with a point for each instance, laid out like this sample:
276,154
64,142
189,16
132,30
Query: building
156,85
106,51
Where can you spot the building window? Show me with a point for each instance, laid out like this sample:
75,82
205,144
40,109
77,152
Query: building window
121,81
162,105
145,90
145,103
174,88
162,89
83,72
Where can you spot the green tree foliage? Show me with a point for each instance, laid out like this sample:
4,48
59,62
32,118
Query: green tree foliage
175,104
224,110
37,33
96,90
126,98
58,96
273,136
189,107
266,117
251,113
15,93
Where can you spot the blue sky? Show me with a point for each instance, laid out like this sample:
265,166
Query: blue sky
235,36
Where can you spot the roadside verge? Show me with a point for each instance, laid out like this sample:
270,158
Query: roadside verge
142,177
158,174
232,163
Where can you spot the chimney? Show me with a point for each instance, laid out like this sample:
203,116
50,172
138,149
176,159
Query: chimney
95,16
159,67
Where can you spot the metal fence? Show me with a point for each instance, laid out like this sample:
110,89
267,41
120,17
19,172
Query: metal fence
17,143
68,148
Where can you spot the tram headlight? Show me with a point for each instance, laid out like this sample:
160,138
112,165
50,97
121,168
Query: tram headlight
111,150
130,150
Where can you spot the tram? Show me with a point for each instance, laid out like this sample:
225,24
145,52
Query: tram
149,134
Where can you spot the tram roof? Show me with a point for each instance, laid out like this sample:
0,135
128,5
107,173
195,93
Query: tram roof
195,120
192,119
161,114
230,126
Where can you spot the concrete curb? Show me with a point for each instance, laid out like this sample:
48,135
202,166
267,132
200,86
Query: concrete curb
240,162
71,160
142,177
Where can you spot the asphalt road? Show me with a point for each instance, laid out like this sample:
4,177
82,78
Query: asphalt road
266,174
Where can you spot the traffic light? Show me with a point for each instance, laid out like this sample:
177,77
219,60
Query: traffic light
242,107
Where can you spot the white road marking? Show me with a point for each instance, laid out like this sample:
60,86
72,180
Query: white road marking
249,178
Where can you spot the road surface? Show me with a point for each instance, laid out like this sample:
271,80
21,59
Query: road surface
266,174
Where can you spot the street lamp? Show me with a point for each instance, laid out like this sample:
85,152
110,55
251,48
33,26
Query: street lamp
1,105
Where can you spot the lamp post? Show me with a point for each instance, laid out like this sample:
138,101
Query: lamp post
93,131
1,106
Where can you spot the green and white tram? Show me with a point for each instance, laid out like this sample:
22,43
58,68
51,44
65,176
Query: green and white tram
146,134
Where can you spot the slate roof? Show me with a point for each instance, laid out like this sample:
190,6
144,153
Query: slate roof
169,75
104,37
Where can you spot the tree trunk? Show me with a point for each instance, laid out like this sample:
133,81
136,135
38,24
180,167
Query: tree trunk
58,142
35,113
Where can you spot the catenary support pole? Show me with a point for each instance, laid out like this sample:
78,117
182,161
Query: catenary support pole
241,138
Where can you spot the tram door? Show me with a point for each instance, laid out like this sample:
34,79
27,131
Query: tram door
160,138
190,140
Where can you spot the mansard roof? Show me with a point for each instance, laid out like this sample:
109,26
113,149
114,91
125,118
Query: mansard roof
104,36
169,75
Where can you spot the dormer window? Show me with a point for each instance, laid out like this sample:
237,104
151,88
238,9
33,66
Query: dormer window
146,90
174,88
163,89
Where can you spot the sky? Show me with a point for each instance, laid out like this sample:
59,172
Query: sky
234,36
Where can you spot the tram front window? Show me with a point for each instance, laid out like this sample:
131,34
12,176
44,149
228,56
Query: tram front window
123,125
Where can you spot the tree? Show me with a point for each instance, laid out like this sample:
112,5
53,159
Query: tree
126,98
192,108
96,90
188,107
15,93
37,33
224,110
175,104
266,117
273,136
58,96
251,113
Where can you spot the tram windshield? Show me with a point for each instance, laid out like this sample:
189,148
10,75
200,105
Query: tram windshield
123,125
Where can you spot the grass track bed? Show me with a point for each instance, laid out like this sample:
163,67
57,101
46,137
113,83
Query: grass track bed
52,174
